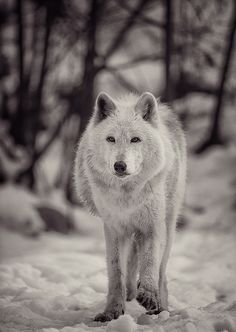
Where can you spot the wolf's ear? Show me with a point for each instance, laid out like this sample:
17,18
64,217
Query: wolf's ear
104,106
147,107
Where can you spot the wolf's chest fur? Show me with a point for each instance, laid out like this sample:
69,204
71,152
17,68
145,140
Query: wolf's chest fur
119,200
125,206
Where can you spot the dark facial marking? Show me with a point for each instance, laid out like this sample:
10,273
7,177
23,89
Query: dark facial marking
147,111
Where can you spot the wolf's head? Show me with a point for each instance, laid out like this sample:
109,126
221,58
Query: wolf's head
125,137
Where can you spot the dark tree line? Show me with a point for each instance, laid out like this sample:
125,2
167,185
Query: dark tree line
94,31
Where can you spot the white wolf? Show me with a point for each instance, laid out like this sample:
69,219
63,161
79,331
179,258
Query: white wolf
130,170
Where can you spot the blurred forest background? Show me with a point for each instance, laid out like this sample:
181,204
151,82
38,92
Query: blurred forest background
56,55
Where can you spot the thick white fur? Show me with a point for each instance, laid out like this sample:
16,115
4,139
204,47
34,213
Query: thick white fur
140,210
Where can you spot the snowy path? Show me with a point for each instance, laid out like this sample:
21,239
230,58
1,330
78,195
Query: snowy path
64,288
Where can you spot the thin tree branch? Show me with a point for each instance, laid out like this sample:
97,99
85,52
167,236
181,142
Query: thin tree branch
52,138
215,137
123,81
38,154
121,35
135,61
142,18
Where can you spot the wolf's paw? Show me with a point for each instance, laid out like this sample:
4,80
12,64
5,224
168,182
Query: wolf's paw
163,313
111,313
154,312
148,298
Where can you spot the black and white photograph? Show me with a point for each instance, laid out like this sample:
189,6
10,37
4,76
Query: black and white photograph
117,166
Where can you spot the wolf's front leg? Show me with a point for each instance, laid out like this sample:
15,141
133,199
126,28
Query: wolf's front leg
115,247
150,257
132,271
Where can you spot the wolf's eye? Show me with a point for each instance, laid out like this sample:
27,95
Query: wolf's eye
110,139
135,140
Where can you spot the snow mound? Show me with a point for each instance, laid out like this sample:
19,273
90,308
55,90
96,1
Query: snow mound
145,320
18,212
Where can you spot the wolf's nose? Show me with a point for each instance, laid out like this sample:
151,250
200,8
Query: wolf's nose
120,167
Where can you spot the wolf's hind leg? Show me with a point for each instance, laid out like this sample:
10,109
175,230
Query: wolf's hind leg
132,271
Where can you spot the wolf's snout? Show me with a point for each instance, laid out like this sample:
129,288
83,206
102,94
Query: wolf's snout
120,167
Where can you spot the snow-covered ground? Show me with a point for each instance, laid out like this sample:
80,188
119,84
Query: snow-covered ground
58,283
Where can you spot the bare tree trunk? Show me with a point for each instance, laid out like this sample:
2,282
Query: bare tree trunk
34,49
18,129
168,48
20,56
215,137
37,103
40,152
42,76
83,103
